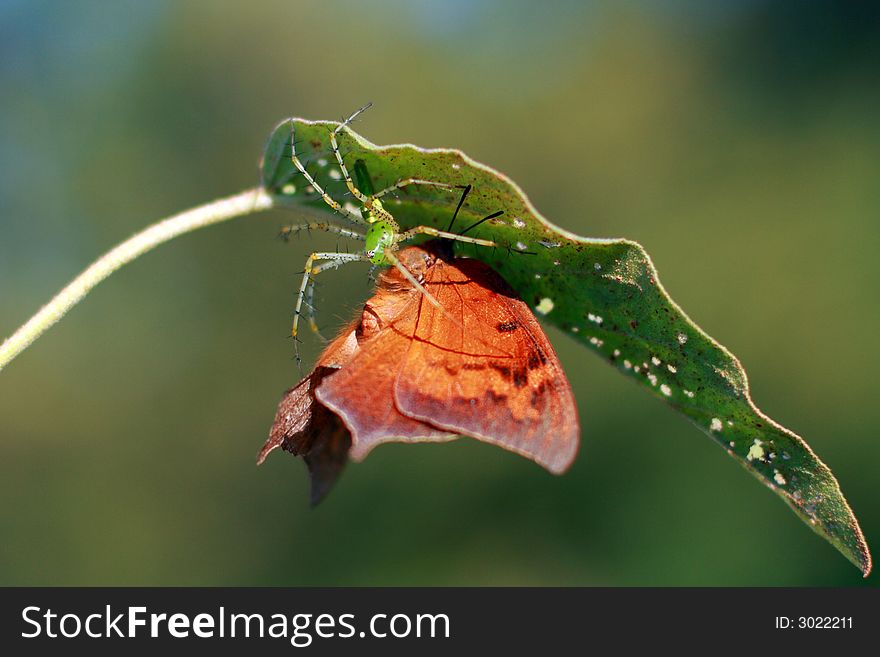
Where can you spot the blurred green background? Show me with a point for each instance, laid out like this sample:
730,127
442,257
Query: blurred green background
738,142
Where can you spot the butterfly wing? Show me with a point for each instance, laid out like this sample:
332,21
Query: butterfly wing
307,429
361,393
483,367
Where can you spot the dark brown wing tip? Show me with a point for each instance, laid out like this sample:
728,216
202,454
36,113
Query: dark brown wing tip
319,488
327,458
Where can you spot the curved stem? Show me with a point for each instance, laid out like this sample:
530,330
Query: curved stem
247,202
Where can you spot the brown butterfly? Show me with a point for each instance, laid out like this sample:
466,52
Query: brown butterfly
408,371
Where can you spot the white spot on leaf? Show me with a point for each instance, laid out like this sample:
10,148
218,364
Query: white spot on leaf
545,305
715,425
755,451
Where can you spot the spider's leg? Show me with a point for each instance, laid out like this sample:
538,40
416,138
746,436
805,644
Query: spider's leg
407,274
358,194
409,181
309,271
309,301
352,216
287,231
434,232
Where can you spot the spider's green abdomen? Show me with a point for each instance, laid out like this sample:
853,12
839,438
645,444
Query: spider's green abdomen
380,236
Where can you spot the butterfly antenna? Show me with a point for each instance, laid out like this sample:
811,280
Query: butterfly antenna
467,190
474,225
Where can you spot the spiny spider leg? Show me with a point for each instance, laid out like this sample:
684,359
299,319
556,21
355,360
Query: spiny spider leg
310,294
434,232
334,145
310,270
409,181
353,217
286,231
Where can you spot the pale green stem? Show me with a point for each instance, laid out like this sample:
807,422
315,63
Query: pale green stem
247,202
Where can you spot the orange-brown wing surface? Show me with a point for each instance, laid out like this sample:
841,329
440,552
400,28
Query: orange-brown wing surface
361,392
483,367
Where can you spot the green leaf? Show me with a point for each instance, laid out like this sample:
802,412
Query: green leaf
605,293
